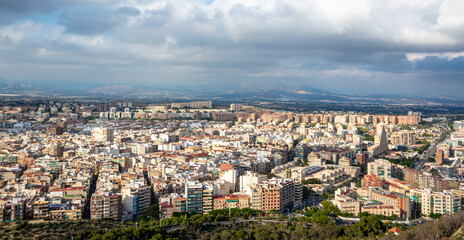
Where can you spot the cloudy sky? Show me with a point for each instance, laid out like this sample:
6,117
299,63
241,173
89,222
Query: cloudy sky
410,47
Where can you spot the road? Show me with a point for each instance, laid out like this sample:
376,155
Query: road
431,149
450,172
178,227
349,221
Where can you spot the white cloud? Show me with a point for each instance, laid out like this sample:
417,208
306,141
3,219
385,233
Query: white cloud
15,33
446,55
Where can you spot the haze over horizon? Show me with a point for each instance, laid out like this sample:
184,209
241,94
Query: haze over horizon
365,47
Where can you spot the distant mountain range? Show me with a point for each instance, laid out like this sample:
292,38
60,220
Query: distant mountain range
247,92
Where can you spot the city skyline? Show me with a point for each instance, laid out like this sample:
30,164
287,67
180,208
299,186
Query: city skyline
108,169
411,48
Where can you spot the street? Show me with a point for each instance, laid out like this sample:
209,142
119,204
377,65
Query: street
431,149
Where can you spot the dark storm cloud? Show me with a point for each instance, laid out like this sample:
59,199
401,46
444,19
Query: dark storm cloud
14,10
30,6
91,19
434,63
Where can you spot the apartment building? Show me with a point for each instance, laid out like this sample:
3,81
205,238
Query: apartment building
403,138
383,169
231,201
396,120
236,107
136,199
12,209
425,180
380,168
102,134
41,208
166,210
362,158
387,198
256,198
171,203
372,181
277,194
440,156
386,210
223,116
348,205
65,211
197,104
194,197
428,201
106,205
179,204
249,179
207,198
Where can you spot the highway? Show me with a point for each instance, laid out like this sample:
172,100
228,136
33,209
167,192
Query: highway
431,149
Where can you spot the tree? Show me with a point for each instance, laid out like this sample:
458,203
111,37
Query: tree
312,211
362,130
325,196
312,181
405,127
347,214
364,214
152,211
435,215
320,217
240,234
368,225
434,172
368,138
305,162
226,234
91,117
425,146
328,207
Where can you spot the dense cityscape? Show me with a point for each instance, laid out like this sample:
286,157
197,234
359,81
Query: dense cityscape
128,162
231,119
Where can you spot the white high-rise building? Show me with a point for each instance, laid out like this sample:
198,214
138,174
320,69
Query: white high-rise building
230,176
250,179
102,134
235,107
